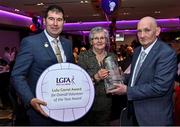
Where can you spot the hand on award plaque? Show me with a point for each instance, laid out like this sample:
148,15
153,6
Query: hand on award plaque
115,73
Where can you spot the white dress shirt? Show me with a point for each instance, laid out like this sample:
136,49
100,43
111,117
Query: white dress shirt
50,39
147,50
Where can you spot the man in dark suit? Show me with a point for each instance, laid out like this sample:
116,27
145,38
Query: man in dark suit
36,54
150,91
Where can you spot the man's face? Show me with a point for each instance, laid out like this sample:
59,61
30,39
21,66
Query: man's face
147,32
54,23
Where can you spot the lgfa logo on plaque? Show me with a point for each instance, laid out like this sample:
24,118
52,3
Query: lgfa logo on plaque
65,80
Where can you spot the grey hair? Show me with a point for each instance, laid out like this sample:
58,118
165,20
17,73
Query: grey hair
99,29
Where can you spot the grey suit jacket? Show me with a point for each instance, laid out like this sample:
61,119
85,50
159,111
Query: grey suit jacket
153,89
33,58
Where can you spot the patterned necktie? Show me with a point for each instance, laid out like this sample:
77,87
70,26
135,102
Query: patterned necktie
141,60
57,51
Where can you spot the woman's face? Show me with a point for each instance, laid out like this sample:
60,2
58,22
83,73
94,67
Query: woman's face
99,41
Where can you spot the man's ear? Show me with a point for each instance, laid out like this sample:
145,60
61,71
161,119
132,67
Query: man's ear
44,21
158,31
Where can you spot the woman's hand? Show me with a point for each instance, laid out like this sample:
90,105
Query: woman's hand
101,74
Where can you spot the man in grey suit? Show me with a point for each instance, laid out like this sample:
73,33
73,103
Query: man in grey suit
36,54
150,85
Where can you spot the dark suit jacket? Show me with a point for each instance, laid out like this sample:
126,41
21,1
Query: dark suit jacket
32,59
153,89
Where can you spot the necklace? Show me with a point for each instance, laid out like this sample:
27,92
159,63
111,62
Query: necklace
100,57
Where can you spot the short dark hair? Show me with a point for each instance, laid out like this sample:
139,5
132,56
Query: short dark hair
54,8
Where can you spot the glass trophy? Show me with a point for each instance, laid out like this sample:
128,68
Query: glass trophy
116,75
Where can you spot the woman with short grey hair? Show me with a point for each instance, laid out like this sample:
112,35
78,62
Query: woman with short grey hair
91,60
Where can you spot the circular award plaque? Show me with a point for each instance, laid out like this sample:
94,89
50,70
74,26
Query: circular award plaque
68,91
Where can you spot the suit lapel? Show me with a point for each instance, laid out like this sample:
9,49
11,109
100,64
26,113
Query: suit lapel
66,49
48,48
63,43
148,59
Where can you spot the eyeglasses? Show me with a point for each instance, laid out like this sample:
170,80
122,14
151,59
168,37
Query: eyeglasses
99,38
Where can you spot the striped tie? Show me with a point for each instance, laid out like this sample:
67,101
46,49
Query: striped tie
57,51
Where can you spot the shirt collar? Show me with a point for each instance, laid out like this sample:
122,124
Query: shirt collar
50,39
147,50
